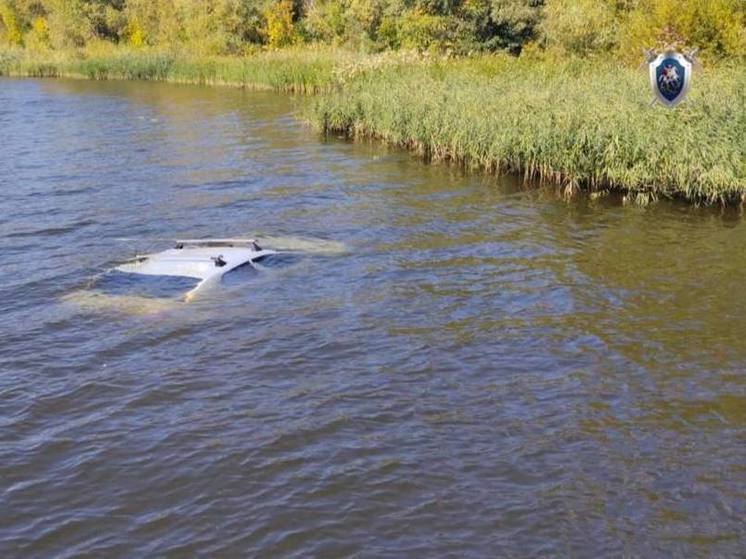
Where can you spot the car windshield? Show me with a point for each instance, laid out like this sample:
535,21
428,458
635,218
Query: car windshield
124,283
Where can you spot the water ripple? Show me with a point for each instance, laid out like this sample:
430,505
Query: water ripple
465,367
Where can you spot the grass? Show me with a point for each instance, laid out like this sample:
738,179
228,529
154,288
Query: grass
578,124
308,71
584,125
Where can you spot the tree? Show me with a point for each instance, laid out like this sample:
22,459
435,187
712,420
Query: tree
515,22
579,27
11,30
69,25
280,29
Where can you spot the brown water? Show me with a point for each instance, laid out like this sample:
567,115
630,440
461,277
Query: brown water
455,366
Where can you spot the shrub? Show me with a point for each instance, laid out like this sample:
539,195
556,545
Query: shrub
515,22
717,27
10,26
69,26
579,27
9,60
280,28
324,21
135,34
416,30
38,38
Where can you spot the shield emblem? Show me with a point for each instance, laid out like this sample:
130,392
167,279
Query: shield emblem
670,77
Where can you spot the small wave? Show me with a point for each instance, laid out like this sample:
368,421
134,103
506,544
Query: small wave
51,231
302,244
96,301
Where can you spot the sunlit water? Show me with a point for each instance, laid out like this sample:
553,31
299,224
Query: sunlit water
465,367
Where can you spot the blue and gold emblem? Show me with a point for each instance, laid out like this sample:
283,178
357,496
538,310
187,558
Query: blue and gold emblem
670,76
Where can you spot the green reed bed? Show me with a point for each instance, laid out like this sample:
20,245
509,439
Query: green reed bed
303,71
582,125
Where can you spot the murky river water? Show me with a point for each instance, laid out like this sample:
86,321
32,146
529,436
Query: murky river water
457,366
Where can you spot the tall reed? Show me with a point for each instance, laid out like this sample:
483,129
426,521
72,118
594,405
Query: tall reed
584,125
303,71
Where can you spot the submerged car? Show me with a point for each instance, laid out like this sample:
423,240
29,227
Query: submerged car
200,262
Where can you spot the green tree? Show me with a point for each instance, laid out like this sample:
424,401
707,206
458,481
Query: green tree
69,25
717,27
579,27
106,18
515,22
497,24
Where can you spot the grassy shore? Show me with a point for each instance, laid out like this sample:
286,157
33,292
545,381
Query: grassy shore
578,124
296,71
581,124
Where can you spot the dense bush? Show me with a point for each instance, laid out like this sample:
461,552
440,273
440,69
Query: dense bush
280,29
580,27
717,27
218,27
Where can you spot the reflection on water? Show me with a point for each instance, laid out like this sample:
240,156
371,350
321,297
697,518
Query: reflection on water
449,364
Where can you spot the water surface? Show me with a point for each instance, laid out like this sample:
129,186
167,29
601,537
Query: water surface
473,369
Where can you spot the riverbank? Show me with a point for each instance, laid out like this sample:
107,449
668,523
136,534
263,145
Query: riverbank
293,71
584,125
577,124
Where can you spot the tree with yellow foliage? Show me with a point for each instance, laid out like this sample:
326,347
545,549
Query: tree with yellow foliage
10,26
280,28
716,27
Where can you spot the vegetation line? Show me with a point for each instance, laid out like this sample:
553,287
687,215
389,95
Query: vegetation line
574,130
486,112
308,71
546,88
